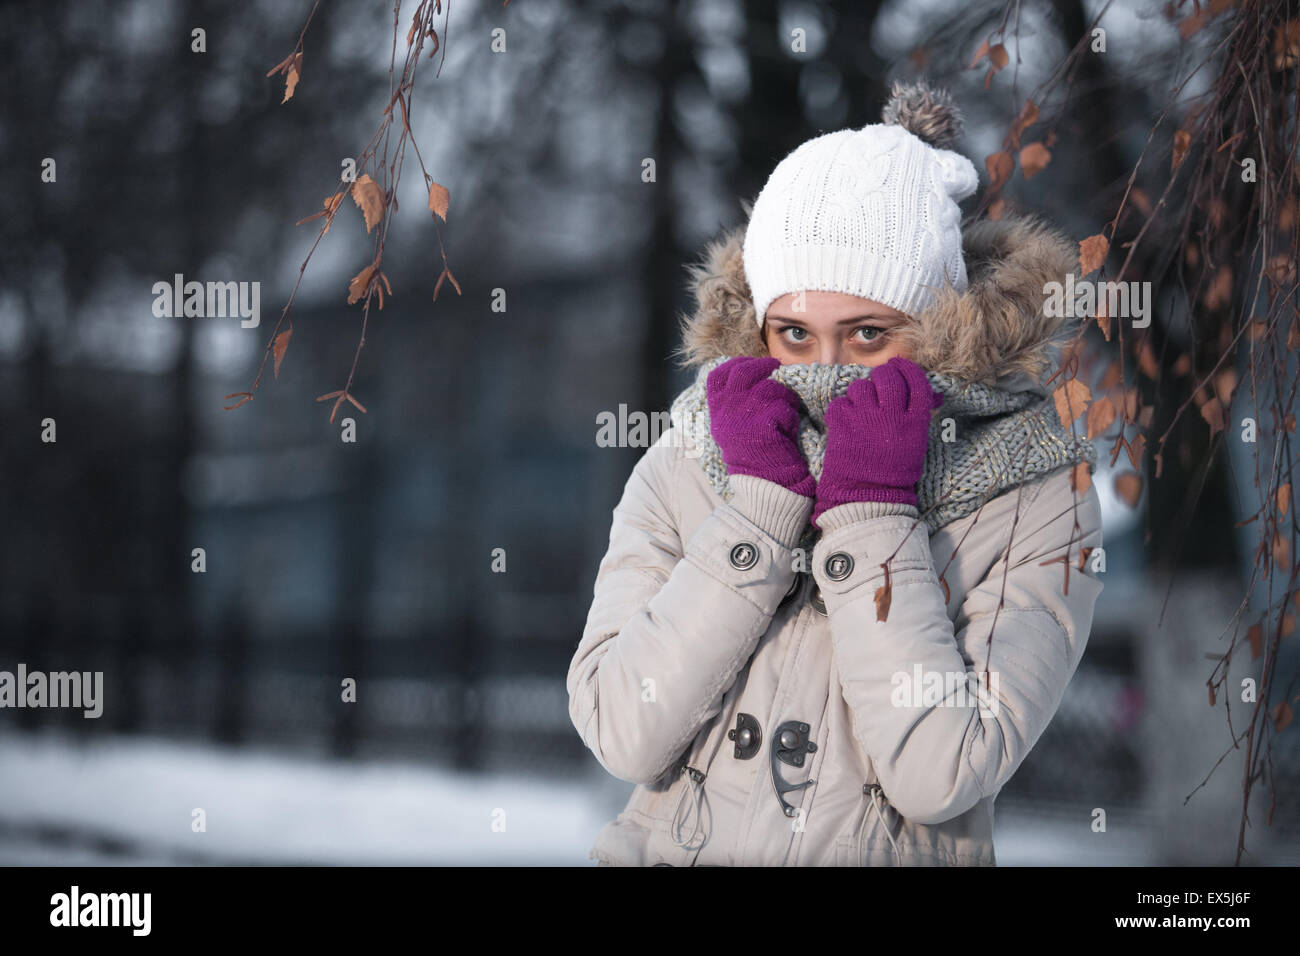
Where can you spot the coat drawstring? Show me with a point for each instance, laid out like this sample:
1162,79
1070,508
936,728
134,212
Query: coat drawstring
695,789
877,799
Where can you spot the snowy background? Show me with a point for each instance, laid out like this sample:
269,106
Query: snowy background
128,801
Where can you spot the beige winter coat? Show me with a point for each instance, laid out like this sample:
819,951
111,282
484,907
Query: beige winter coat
704,644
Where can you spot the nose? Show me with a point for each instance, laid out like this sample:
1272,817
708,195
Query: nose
831,351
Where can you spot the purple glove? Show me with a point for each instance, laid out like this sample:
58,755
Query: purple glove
755,421
876,437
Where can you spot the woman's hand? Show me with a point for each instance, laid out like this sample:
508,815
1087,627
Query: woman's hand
877,435
755,421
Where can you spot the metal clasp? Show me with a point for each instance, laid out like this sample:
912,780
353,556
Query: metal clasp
747,734
790,744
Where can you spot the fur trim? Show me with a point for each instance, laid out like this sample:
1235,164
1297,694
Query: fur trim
928,114
992,332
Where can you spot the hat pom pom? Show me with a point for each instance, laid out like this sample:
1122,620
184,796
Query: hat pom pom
929,114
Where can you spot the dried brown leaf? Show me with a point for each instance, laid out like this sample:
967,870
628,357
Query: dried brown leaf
1000,165
1182,140
884,594
997,60
1286,45
1101,415
1147,363
1128,485
369,198
1212,412
293,76
331,205
1034,159
279,346
360,283
1071,400
1282,269
1289,213
1282,716
1092,253
1027,118
1136,449
1103,318
439,199
1219,292
1192,24
1225,385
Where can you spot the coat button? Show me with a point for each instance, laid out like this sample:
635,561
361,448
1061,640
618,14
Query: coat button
744,556
839,566
747,734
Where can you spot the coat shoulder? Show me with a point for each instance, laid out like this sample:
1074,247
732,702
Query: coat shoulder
1058,493
653,481
1046,516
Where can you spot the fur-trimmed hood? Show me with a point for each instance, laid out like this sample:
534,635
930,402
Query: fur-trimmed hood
994,332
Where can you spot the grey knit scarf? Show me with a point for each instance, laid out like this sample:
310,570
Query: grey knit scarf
1002,438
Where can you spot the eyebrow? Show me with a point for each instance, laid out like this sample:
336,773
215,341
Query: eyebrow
852,318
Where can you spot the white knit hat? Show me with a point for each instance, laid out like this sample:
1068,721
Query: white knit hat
871,212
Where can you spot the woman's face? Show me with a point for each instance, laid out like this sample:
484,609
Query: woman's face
832,328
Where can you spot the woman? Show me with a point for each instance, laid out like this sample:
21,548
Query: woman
845,592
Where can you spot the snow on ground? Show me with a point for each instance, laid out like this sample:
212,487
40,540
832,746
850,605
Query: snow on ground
132,796
128,800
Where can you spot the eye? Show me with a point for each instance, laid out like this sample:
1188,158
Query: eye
794,334
869,333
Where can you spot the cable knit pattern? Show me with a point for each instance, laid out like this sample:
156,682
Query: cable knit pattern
1003,439
870,212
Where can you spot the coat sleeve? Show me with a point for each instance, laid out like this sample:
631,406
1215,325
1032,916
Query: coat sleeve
939,755
673,622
